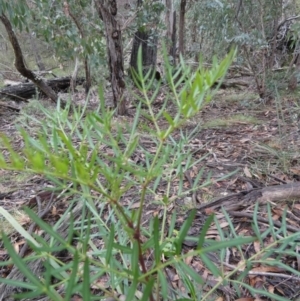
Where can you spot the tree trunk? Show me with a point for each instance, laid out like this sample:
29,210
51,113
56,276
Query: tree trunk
19,61
293,82
36,53
173,45
74,77
107,11
169,18
181,26
148,42
88,79
149,50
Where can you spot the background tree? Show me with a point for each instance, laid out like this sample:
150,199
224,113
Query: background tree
107,11
146,35
181,26
20,62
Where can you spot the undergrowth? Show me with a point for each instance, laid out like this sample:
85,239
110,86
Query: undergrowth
111,251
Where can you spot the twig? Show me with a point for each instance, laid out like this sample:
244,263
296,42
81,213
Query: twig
16,96
9,107
263,220
41,214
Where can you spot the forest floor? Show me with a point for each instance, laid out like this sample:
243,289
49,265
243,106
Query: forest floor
246,143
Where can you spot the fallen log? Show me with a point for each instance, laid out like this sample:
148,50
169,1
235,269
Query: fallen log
275,193
29,90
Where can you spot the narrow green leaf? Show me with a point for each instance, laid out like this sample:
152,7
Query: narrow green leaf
20,264
29,295
17,226
148,290
163,284
135,260
131,291
216,246
184,230
191,288
188,270
172,225
16,283
70,285
157,253
204,230
45,226
86,290
169,118
213,269
109,244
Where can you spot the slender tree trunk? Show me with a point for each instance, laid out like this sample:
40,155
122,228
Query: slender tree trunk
19,61
107,11
182,26
74,77
36,53
169,18
149,48
293,81
88,79
174,41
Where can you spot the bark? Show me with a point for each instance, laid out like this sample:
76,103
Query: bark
173,45
171,29
181,26
86,61
107,11
74,77
149,50
19,61
295,64
144,38
241,199
24,91
169,18
36,53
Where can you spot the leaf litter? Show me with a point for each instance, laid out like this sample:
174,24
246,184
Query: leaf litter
259,152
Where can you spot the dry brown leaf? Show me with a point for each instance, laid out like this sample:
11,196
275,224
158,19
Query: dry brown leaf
135,205
256,245
266,269
209,211
188,259
243,140
205,274
101,283
241,264
247,172
277,211
219,299
244,299
212,232
295,170
224,224
3,252
271,289
17,248
76,298
54,210
280,290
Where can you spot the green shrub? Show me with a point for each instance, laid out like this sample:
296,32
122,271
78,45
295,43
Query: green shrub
90,159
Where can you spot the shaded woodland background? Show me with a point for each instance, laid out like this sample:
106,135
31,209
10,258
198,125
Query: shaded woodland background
237,158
